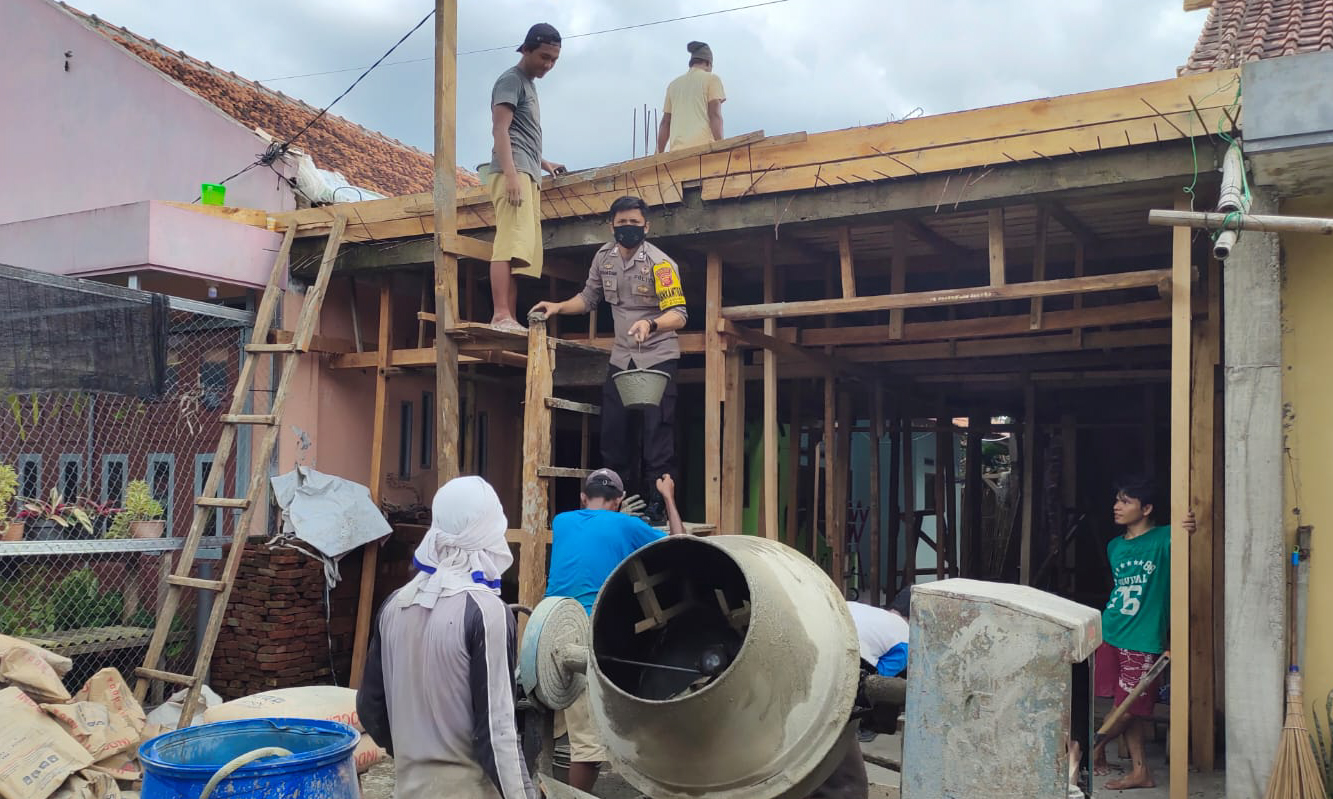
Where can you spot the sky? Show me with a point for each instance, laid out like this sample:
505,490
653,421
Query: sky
790,65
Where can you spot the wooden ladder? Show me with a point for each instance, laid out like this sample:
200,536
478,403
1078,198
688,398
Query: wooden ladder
209,502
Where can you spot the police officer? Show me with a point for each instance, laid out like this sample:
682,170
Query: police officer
642,285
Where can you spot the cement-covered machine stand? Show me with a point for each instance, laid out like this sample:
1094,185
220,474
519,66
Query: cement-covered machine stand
988,690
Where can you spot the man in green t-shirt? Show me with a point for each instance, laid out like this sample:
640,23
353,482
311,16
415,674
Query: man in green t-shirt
1135,621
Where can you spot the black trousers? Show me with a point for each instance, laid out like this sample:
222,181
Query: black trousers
654,450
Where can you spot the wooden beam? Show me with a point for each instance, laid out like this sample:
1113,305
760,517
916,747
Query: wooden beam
768,519
1202,501
936,241
714,374
444,199
830,467
536,507
793,464
841,472
909,509
945,297
317,343
988,326
1079,266
1039,266
733,442
941,523
1017,345
1180,497
1081,232
846,263
785,349
370,552
1029,482
1266,223
895,507
972,495
953,541
996,240
898,276
873,527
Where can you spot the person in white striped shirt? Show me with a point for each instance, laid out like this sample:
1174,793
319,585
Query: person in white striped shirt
438,691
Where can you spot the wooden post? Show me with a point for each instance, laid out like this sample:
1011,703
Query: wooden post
370,552
898,275
973,490
733,441
1180,497
895,506
1029,481
846,263
768,519
714,375
951,503
997,246
1202,641
1068,480
793,465
909,511
536,510
445,197
830,461
1039,265
941,524
873,527
841,470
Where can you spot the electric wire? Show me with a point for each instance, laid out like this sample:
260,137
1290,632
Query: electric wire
511,46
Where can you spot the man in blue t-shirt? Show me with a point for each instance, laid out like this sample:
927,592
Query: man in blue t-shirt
586,546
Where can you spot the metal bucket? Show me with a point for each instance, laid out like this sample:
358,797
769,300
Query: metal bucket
641,388
182,763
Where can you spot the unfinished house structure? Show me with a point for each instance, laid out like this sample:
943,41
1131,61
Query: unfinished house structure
919,349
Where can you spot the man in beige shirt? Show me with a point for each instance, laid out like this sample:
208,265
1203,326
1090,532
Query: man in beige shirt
692,111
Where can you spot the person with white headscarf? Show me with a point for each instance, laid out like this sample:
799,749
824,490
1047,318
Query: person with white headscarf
438,691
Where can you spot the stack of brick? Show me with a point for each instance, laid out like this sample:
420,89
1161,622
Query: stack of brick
274,634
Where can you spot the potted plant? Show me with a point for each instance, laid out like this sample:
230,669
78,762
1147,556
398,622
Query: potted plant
54,520
11,529
102,514
142,515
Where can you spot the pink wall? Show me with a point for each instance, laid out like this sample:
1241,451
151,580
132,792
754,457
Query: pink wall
111,130
143,234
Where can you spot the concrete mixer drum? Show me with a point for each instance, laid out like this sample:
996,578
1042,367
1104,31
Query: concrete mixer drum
722,667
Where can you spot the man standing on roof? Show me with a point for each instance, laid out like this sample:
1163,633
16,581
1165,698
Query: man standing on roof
515,172
642,285
692,111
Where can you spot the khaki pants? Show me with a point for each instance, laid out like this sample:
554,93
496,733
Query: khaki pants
584,746
518,229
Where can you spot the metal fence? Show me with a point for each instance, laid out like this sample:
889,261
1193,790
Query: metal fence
75,576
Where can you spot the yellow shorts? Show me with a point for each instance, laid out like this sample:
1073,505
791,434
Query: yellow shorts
518,230
584,747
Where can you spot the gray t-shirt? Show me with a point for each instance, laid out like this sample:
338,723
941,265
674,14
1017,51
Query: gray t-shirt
516,90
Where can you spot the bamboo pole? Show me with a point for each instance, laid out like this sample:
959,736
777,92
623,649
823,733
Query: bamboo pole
445,197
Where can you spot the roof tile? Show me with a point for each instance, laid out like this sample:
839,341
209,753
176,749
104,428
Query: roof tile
366,158
1238,31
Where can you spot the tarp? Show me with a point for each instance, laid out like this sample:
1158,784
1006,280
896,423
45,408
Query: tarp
333,515
64,334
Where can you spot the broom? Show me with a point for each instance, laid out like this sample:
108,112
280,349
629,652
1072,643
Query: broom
1295,773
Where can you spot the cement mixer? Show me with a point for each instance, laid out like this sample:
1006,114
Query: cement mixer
725,667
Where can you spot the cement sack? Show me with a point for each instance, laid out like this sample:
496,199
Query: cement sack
167,716
33,669
36,754
322,702
104,717
89,785
124,766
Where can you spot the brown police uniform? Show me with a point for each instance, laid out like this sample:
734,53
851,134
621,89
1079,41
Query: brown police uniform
640,288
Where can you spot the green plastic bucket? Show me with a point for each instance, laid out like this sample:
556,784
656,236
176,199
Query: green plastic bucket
212,194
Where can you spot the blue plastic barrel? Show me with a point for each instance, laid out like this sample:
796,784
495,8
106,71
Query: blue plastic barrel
178,764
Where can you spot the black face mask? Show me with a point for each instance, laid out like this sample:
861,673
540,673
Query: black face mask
629,236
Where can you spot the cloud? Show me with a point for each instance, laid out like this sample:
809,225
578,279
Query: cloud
798,65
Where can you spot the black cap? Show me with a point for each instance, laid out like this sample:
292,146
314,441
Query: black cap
540,34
